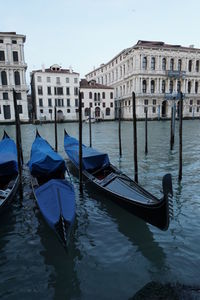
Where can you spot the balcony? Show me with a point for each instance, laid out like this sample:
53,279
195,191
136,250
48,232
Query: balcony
175,74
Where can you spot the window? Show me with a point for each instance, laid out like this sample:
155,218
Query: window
1,41
171,86
87,112
198,102
90,95
5,96
189,87
190,109
152,86
179,65
14,42
68,110
18,96
67,91
48,79
82,95
40,91
98,96
58,80
19,108
103,95
191,102
48,90
40,102
41,111
153,109
111,95
163,86
104,104
146,101
15,56
144,86
17,78
76,102
49,102
197,66
154,101
190,65
2,56
59,91
144,63
196,87
90,104
95,96
4,78
153,63
68,102
164,64
67,80
0,109
178,86
6,111
76,91
171,64
111,104
75,80
50,111
107,111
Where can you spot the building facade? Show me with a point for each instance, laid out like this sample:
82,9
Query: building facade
157,73
99,99
55,87
12,76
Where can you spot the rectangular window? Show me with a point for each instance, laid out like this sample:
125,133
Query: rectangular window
76,91
191,102
40,91
48,79
75,80
146,101
154,101
104,104
68,102
39,79
111,104
198,102
67,91
190,109
2,56
40,102
58,80
19,96
1,41
59,91
48,90
15,56
5,96
68,110
0,109
49,102
41,111
19,108
50,111
153,109
56,102
67,80
76,102
197,108
14,42
90,104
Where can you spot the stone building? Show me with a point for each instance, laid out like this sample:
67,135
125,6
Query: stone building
55,87
156,72
99,98
12,75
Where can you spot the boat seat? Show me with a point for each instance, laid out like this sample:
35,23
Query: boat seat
4,194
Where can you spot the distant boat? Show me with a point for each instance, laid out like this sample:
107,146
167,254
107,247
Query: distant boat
53,193
9,177
120,188
93,120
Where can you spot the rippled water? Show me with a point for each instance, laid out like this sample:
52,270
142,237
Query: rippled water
112,254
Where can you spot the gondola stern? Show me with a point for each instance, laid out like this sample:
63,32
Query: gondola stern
5,135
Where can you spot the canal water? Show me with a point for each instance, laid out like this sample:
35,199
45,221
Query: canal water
112,254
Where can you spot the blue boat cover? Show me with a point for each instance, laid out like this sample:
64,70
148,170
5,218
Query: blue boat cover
92,159
55,197
8,157
44,160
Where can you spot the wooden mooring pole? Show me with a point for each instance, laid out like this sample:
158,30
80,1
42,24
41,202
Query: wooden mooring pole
146,131
18,140
56,133
119,118
80,144
180,135
172,127
90,127
135,137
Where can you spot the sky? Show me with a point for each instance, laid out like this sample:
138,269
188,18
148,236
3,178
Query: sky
85,33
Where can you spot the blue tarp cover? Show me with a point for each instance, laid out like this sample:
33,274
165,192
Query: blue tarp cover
44,160
92,159
8,157
55,197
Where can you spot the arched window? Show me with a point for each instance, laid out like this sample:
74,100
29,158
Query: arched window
171,64
99,97
87,111
111,95
17,78
197,66
144,63
153,63
97,112
95,96
189,87
107,111
190,65
152,86
144,86
103,95
4,78
179,64
171,86
196,87
90,95
178,86
163,86
164,64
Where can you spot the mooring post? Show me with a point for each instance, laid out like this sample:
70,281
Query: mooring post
56,133
80,143
18,139
180,135
135,137
146,131
172,129
90,127
119,117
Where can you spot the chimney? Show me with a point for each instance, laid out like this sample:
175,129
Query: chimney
43,68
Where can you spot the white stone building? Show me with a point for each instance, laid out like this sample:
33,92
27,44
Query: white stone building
99,98
12,75
55,87
156,72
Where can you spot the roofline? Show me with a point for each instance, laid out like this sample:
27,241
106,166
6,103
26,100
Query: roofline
13,34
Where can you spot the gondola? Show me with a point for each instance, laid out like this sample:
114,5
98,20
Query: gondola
119,187
54,195
9,177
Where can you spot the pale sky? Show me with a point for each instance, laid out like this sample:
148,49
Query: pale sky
86,33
